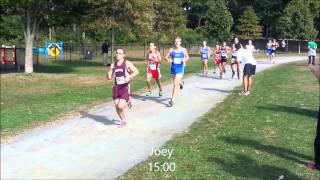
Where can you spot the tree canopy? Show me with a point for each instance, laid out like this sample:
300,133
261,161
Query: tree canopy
248,25
35,21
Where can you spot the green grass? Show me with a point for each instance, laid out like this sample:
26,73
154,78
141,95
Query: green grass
262,136
60,87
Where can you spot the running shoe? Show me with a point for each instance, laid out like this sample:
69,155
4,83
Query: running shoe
181,84
122,124
148,93
129,105
160,93
242,93
171,103
247,93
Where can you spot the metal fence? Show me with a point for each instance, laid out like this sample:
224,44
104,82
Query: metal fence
80,52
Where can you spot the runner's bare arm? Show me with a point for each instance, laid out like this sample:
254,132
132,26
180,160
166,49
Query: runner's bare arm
110,72
186,55
147,59
168,58
229,50
134,71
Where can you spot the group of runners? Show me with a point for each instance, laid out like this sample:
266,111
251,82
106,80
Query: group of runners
122,71
272,45
220,54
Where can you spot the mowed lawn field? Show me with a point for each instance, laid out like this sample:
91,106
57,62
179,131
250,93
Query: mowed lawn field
266,135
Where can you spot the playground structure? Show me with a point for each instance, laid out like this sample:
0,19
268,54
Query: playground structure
53,49
4,54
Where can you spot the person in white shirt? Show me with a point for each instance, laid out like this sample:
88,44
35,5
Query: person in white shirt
275,45
246,58
234,60
250,47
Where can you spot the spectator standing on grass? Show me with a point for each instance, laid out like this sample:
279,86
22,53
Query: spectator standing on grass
105,49
312,46
246,58
283,45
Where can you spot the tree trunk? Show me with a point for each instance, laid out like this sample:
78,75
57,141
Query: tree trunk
299,46
53,32
50,34
28,54
29,26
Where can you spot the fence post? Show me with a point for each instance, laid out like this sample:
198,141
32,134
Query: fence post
55,51
17,61
96,50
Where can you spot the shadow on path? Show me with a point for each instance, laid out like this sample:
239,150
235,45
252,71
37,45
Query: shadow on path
214,89
102,119
152,98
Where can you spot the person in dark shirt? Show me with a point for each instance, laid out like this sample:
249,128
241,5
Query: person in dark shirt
105,49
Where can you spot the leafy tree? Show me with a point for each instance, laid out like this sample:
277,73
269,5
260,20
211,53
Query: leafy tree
169,20
248,25
297,21
218,21
315,12
118,15
30,14
267,10
10,30
196,11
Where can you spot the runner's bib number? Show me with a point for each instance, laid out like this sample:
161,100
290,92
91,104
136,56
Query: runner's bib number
153,66
204,55
224,54
177,60
120,80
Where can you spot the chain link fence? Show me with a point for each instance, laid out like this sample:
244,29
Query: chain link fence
135,52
